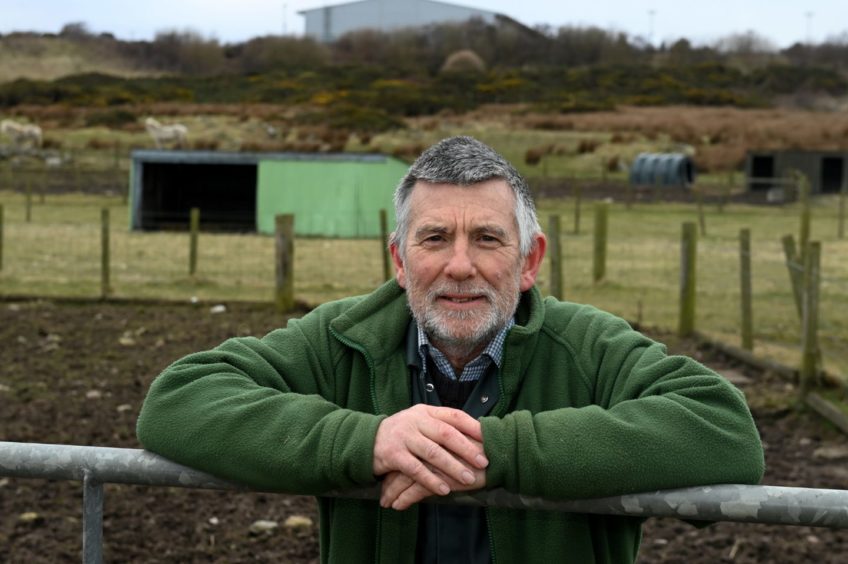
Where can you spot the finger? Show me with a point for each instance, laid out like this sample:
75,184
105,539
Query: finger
392,486
451,439
460,420
410,496
415,469
440,458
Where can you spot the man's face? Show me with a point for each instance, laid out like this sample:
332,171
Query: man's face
462,269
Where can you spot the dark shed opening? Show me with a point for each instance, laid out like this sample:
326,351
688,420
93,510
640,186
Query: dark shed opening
762,169
832,172
224,193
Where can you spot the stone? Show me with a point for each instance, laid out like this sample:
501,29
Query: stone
262,526
831,453
298,522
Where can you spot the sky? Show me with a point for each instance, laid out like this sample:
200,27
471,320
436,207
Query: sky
783,22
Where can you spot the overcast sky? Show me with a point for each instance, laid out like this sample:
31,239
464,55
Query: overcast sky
784,22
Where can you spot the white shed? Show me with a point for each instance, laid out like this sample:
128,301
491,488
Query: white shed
328,23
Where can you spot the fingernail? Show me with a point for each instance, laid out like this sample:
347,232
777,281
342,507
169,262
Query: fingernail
482,461
445,489
468,477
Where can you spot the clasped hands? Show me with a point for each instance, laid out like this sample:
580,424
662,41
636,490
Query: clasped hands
427,450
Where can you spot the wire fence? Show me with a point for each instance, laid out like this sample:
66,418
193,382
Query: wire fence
52,247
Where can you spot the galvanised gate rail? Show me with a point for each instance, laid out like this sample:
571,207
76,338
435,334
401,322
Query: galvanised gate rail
95,466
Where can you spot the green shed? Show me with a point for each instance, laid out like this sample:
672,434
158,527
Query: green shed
330,195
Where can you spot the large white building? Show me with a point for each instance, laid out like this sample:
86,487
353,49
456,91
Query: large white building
331,22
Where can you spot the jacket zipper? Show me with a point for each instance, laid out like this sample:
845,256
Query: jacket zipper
373,389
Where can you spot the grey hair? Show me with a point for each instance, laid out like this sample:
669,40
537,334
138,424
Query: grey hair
465,161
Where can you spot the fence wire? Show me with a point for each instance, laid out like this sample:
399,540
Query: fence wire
52,247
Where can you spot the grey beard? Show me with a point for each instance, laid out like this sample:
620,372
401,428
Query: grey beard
488,323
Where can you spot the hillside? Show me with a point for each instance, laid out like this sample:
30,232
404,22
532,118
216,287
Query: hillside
46,57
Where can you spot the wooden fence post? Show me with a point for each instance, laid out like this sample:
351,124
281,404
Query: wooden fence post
794,267
1,236
702,221
688,270
746,293
28,205
840,232
600,255
284,242
384,239
194,229
577,202
809,326
804,198
42,185
555,256
104,253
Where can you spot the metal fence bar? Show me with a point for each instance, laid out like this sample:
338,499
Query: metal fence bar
726,502
92,520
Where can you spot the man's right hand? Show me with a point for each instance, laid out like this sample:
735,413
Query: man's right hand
423,435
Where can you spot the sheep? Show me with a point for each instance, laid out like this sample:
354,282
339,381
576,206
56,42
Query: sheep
21,134
161,134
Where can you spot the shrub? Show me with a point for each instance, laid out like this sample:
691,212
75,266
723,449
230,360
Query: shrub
587,146
463,61
113,119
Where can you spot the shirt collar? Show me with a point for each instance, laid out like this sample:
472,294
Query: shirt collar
474,369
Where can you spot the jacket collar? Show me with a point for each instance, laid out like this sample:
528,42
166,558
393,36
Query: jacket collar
378,326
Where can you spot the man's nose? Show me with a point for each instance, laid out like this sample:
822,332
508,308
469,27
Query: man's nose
460,264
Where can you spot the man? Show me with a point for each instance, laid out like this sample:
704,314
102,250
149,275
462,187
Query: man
456,376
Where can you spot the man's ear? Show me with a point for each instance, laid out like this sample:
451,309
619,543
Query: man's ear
532,262
400,271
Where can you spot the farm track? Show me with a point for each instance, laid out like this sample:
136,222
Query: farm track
76,373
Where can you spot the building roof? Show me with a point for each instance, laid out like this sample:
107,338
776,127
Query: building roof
303,12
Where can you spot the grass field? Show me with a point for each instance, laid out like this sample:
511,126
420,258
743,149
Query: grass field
58,253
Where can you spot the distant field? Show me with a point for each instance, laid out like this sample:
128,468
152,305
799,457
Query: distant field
587,145
58,254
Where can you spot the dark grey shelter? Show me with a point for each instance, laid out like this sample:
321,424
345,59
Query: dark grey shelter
662,169
826,170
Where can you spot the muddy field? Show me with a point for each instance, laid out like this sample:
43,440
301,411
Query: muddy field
77,373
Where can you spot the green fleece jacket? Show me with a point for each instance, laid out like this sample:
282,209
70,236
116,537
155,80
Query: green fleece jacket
588,407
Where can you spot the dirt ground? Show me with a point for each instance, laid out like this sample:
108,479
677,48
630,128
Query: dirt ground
76,373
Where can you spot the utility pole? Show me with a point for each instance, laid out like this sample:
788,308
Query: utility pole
809,28
651,14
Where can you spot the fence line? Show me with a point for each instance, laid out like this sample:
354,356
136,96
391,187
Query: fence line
96,466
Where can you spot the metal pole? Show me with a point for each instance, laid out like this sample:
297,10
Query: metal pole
724,502
92,520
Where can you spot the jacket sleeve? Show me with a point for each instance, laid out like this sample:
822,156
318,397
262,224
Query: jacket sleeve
261,412
655,422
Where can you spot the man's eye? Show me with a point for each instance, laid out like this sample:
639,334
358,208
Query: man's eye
489,239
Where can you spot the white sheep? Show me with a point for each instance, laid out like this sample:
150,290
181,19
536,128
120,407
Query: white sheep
21,134
177,132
